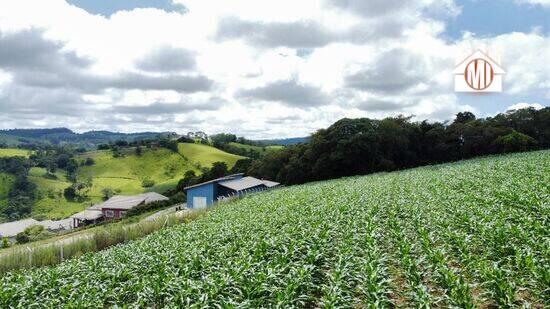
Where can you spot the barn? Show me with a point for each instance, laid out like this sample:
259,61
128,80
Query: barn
207,193
114,208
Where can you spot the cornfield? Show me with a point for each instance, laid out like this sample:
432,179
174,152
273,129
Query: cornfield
468,234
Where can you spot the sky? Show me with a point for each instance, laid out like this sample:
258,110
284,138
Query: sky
260,69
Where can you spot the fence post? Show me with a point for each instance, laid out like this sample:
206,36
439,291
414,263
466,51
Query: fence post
61,249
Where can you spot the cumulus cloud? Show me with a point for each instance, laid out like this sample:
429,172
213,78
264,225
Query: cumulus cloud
289,92
394,71
28,50
306,63
373,8
167,59
304,34
159,108
522,105
38,62
376,105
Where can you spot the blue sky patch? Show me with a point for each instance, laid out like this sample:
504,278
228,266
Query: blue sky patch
491,18
109,7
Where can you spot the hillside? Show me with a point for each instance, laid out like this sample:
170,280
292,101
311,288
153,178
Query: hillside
258,149
285,141
56,136
13,152
465,234
205,155
122,175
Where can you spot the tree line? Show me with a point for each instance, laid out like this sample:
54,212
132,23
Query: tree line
361,146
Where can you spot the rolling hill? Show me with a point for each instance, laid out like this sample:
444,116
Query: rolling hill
466,234
123,175
57,136
205,155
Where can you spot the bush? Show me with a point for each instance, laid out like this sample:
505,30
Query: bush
107,193
89,162
147,182
5,242
22,238
69,193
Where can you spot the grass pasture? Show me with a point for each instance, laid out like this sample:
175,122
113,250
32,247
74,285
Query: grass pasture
14,152
261,150
466,234
206,155
127,173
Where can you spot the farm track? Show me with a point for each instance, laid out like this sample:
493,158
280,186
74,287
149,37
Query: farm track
469,234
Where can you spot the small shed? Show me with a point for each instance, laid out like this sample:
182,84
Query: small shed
88,216
117,206
207,193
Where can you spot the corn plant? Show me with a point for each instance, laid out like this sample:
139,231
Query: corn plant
468,234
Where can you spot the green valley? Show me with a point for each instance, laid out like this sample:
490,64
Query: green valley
129,172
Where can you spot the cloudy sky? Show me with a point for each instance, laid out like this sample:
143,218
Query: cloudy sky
262,69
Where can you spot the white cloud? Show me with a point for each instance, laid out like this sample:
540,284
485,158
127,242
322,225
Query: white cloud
544,3
536,106
259,68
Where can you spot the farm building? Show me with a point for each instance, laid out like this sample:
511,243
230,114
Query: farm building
11,229
115,208
205,194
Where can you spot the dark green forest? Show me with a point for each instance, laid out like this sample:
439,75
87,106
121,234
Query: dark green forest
362,146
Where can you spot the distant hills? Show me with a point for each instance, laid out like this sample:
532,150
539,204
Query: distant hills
90,139
284,141
58,136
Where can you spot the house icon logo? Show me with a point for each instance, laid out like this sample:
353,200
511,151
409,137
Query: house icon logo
478,73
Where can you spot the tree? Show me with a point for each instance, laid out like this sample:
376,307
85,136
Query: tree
218,169
70,193
189,179
241,166
89,161
107,193
464,117
138,151
515,141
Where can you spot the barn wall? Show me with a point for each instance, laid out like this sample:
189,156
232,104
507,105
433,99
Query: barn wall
207,190
117,213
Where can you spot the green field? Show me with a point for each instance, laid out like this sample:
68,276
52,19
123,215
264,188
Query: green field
467,234
50,203
13,152
259,149
123,175
206,155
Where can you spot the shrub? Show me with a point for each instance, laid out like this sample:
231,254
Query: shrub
107,193
22,238
147,182
69,193
5,242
